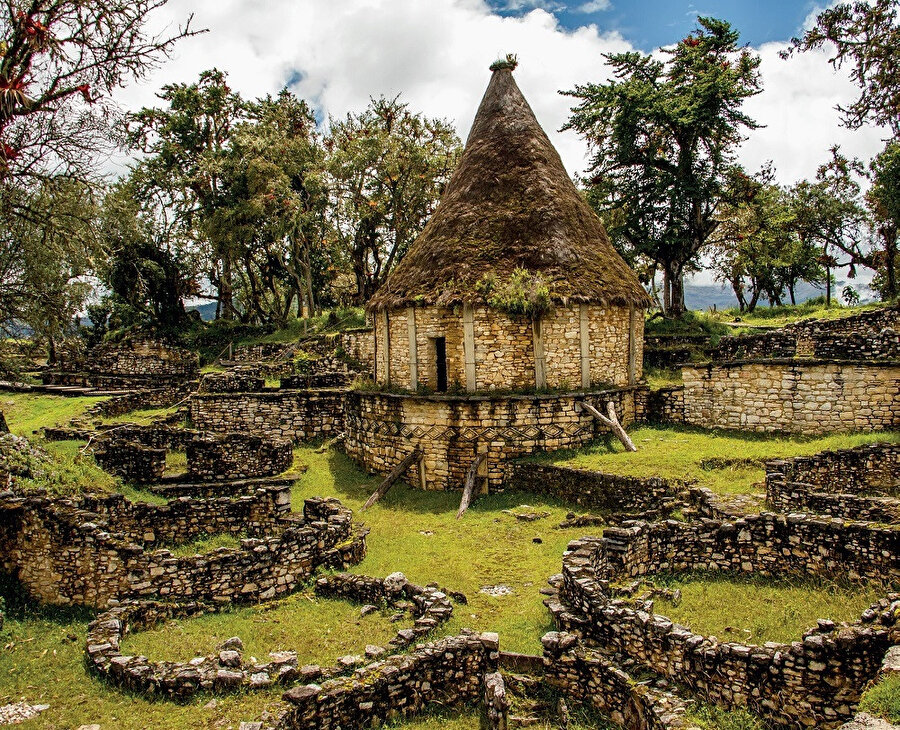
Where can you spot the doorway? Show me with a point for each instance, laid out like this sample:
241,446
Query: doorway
440,361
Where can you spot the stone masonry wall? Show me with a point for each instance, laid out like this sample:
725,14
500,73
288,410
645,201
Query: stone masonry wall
449,673
865,336
588,678
237,456
593,489
814,682
808,397
62,557
862,483
383,428
130,460
504,347
134,359
297,415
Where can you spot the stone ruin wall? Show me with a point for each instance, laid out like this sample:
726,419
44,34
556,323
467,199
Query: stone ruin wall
381,429
816,681
237,456
295,415
504,347
128,363
862,483
63,554
588,678
812,397
449,673
868,335
594,489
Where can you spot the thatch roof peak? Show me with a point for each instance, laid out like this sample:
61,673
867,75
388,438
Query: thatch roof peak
510,206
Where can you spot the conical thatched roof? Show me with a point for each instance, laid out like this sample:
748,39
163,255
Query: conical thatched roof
510,204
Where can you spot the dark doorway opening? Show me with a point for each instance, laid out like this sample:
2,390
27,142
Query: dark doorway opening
440,356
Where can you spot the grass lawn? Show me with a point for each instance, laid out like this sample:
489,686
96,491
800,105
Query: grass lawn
412,531
882,699
142,417
755,609
725,462
26,412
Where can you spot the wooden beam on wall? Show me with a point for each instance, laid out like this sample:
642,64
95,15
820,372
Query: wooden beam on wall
632,350
413,348
540,364
386,345
584,331
469,346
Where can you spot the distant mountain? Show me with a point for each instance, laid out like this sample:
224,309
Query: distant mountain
700,297
207,311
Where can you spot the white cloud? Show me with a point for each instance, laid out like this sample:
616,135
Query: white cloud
594,6
436,55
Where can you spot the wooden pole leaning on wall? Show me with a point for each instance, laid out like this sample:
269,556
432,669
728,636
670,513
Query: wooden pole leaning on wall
611,420
391,478
469,488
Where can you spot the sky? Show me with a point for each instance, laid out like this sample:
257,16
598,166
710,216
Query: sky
435,54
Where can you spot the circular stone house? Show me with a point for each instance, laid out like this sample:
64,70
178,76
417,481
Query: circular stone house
512,287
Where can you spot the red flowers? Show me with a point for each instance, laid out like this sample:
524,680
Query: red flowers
691,42
85,90
9,153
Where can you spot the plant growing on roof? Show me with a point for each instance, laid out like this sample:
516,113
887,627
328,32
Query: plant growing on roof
524,293
505,64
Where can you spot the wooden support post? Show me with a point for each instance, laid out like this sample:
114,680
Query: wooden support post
386,346
585,333
469,488
413,348
391,478
423,477
469,346
632,346
612,420
540,364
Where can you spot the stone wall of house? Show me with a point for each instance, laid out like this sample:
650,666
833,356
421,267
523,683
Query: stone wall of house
808,397
237,456
504,347
813,682
131,460
297,415
381,429
595,490
63,554
449,673
333,379
241,379
868,335
862,483
588,678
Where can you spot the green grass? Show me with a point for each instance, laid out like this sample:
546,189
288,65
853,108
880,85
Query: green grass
176,462
756,609
129,491
319,630
882,699
710,717
787,314
142,417
26,412
662,377
676,453
72,471
206,544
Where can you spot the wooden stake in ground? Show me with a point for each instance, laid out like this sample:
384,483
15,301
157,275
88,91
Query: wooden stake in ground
469,488
395,474
612,421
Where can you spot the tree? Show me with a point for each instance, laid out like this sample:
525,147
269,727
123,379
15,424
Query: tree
275,208
58,60
46,255
387,169
866,35
757,248
187,144
883,200
150,268
663,136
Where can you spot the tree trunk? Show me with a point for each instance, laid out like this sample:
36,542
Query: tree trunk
889,233
673,277
226,290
